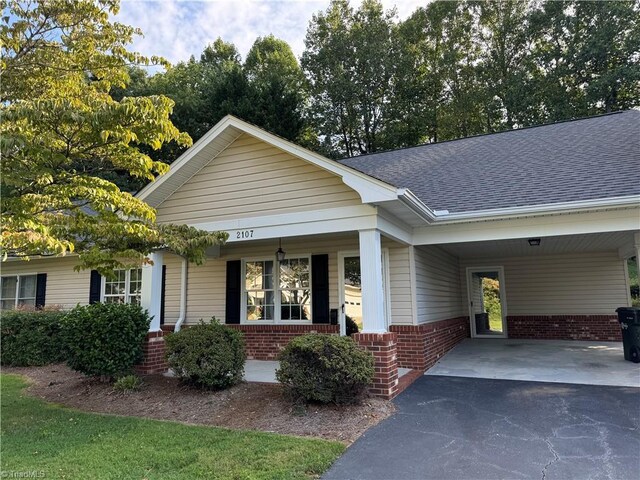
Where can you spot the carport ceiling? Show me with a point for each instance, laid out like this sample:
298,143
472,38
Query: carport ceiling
594,242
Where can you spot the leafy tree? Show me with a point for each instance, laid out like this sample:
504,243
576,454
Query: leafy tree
62,133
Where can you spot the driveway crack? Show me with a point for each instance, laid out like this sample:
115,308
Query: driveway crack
555,458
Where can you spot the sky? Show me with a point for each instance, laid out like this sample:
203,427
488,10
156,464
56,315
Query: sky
177,29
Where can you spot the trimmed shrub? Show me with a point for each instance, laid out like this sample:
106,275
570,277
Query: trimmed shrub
351,326
105,339
325,368
208,355
127,384
31,338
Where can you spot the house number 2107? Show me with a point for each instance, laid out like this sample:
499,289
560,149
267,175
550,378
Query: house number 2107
244,234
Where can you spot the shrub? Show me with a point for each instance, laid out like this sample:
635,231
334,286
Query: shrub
127,384
351,325
208,355
325,368
105,339
31,338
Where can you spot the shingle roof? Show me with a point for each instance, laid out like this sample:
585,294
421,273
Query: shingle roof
585,159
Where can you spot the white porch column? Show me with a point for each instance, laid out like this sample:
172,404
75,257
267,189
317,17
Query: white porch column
636,242
373,309
151,295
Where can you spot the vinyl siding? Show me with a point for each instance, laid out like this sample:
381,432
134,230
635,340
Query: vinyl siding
65,286
206,287
251,178
438,289
584,283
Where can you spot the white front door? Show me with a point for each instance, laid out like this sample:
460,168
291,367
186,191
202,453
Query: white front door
350,288
487,302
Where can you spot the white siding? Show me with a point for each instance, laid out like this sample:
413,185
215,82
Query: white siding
65,286
581,283
206,287
438,289
251,178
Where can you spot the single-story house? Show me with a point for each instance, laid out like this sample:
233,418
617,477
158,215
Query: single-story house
517,234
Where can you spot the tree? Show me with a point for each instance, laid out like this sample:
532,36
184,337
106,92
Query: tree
349,62
62,132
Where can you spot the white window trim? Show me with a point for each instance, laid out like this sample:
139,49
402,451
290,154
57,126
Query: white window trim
276,301
127,285
18,275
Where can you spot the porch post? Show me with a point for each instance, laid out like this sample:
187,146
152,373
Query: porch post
150,298
636,242
373,311
154,360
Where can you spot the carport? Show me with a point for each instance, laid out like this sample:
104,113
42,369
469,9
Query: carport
556,361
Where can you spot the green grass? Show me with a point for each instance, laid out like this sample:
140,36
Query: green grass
66,443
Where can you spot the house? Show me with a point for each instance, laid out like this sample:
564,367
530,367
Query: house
519,234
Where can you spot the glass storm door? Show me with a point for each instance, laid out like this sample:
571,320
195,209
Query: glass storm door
487,302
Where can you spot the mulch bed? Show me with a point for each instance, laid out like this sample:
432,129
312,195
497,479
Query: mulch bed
248,406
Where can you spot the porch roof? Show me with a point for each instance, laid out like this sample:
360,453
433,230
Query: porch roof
579,160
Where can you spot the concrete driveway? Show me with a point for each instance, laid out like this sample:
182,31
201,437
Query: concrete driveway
471,428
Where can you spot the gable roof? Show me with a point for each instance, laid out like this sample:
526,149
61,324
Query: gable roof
580,160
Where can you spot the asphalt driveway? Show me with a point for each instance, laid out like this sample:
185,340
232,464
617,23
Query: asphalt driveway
471,428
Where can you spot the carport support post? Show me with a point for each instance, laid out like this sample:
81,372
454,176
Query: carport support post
151,300
374,336
636,242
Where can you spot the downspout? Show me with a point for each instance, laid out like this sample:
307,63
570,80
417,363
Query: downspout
183,296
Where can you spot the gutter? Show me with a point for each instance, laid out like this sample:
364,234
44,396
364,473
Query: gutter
431,216
183,295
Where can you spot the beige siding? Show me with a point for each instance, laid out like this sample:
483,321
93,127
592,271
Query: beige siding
65,286
206,283
251,178
438,289
585,283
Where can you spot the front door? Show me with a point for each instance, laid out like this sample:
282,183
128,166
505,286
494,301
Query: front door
487,305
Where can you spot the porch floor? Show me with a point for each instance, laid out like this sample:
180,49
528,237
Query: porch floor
264,371
578,362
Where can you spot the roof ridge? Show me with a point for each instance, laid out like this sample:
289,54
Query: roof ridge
529,127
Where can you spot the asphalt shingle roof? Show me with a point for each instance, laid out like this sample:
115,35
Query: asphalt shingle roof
585,159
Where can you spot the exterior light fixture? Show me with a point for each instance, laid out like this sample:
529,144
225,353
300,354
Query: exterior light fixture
534,242
280,253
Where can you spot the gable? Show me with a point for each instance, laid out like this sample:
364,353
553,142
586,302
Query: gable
252,178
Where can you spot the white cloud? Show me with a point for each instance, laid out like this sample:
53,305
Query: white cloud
177,29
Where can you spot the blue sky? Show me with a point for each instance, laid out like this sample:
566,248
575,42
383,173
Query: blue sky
177,29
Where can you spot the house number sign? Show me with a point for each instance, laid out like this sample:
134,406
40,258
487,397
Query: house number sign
243,234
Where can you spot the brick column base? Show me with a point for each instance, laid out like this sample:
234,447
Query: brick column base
383,348
154,360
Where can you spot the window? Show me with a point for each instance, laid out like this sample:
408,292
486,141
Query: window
277,291
124,287
17,291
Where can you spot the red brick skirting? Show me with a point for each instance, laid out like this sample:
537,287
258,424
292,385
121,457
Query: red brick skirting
383,348
264,342
420,346
154,355
564,327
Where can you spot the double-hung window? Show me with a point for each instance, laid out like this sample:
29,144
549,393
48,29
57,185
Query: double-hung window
18,291
124,287
277,292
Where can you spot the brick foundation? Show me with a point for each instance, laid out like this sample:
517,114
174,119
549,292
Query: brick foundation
564,327
154,355
264,342
420,346
383,347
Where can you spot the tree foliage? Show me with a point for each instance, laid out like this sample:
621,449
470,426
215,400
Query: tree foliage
63,134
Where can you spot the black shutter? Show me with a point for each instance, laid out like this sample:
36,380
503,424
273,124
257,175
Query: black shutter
234,291
94,287
162,291
41,289
320,289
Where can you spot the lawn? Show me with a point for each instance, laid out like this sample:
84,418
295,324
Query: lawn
65,443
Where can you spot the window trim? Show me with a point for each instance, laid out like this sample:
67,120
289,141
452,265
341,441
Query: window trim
127,286
277,320
16,298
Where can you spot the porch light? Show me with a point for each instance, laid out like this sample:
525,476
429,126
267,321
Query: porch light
280,253
534,242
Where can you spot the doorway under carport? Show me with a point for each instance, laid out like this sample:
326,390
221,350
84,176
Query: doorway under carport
557,361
